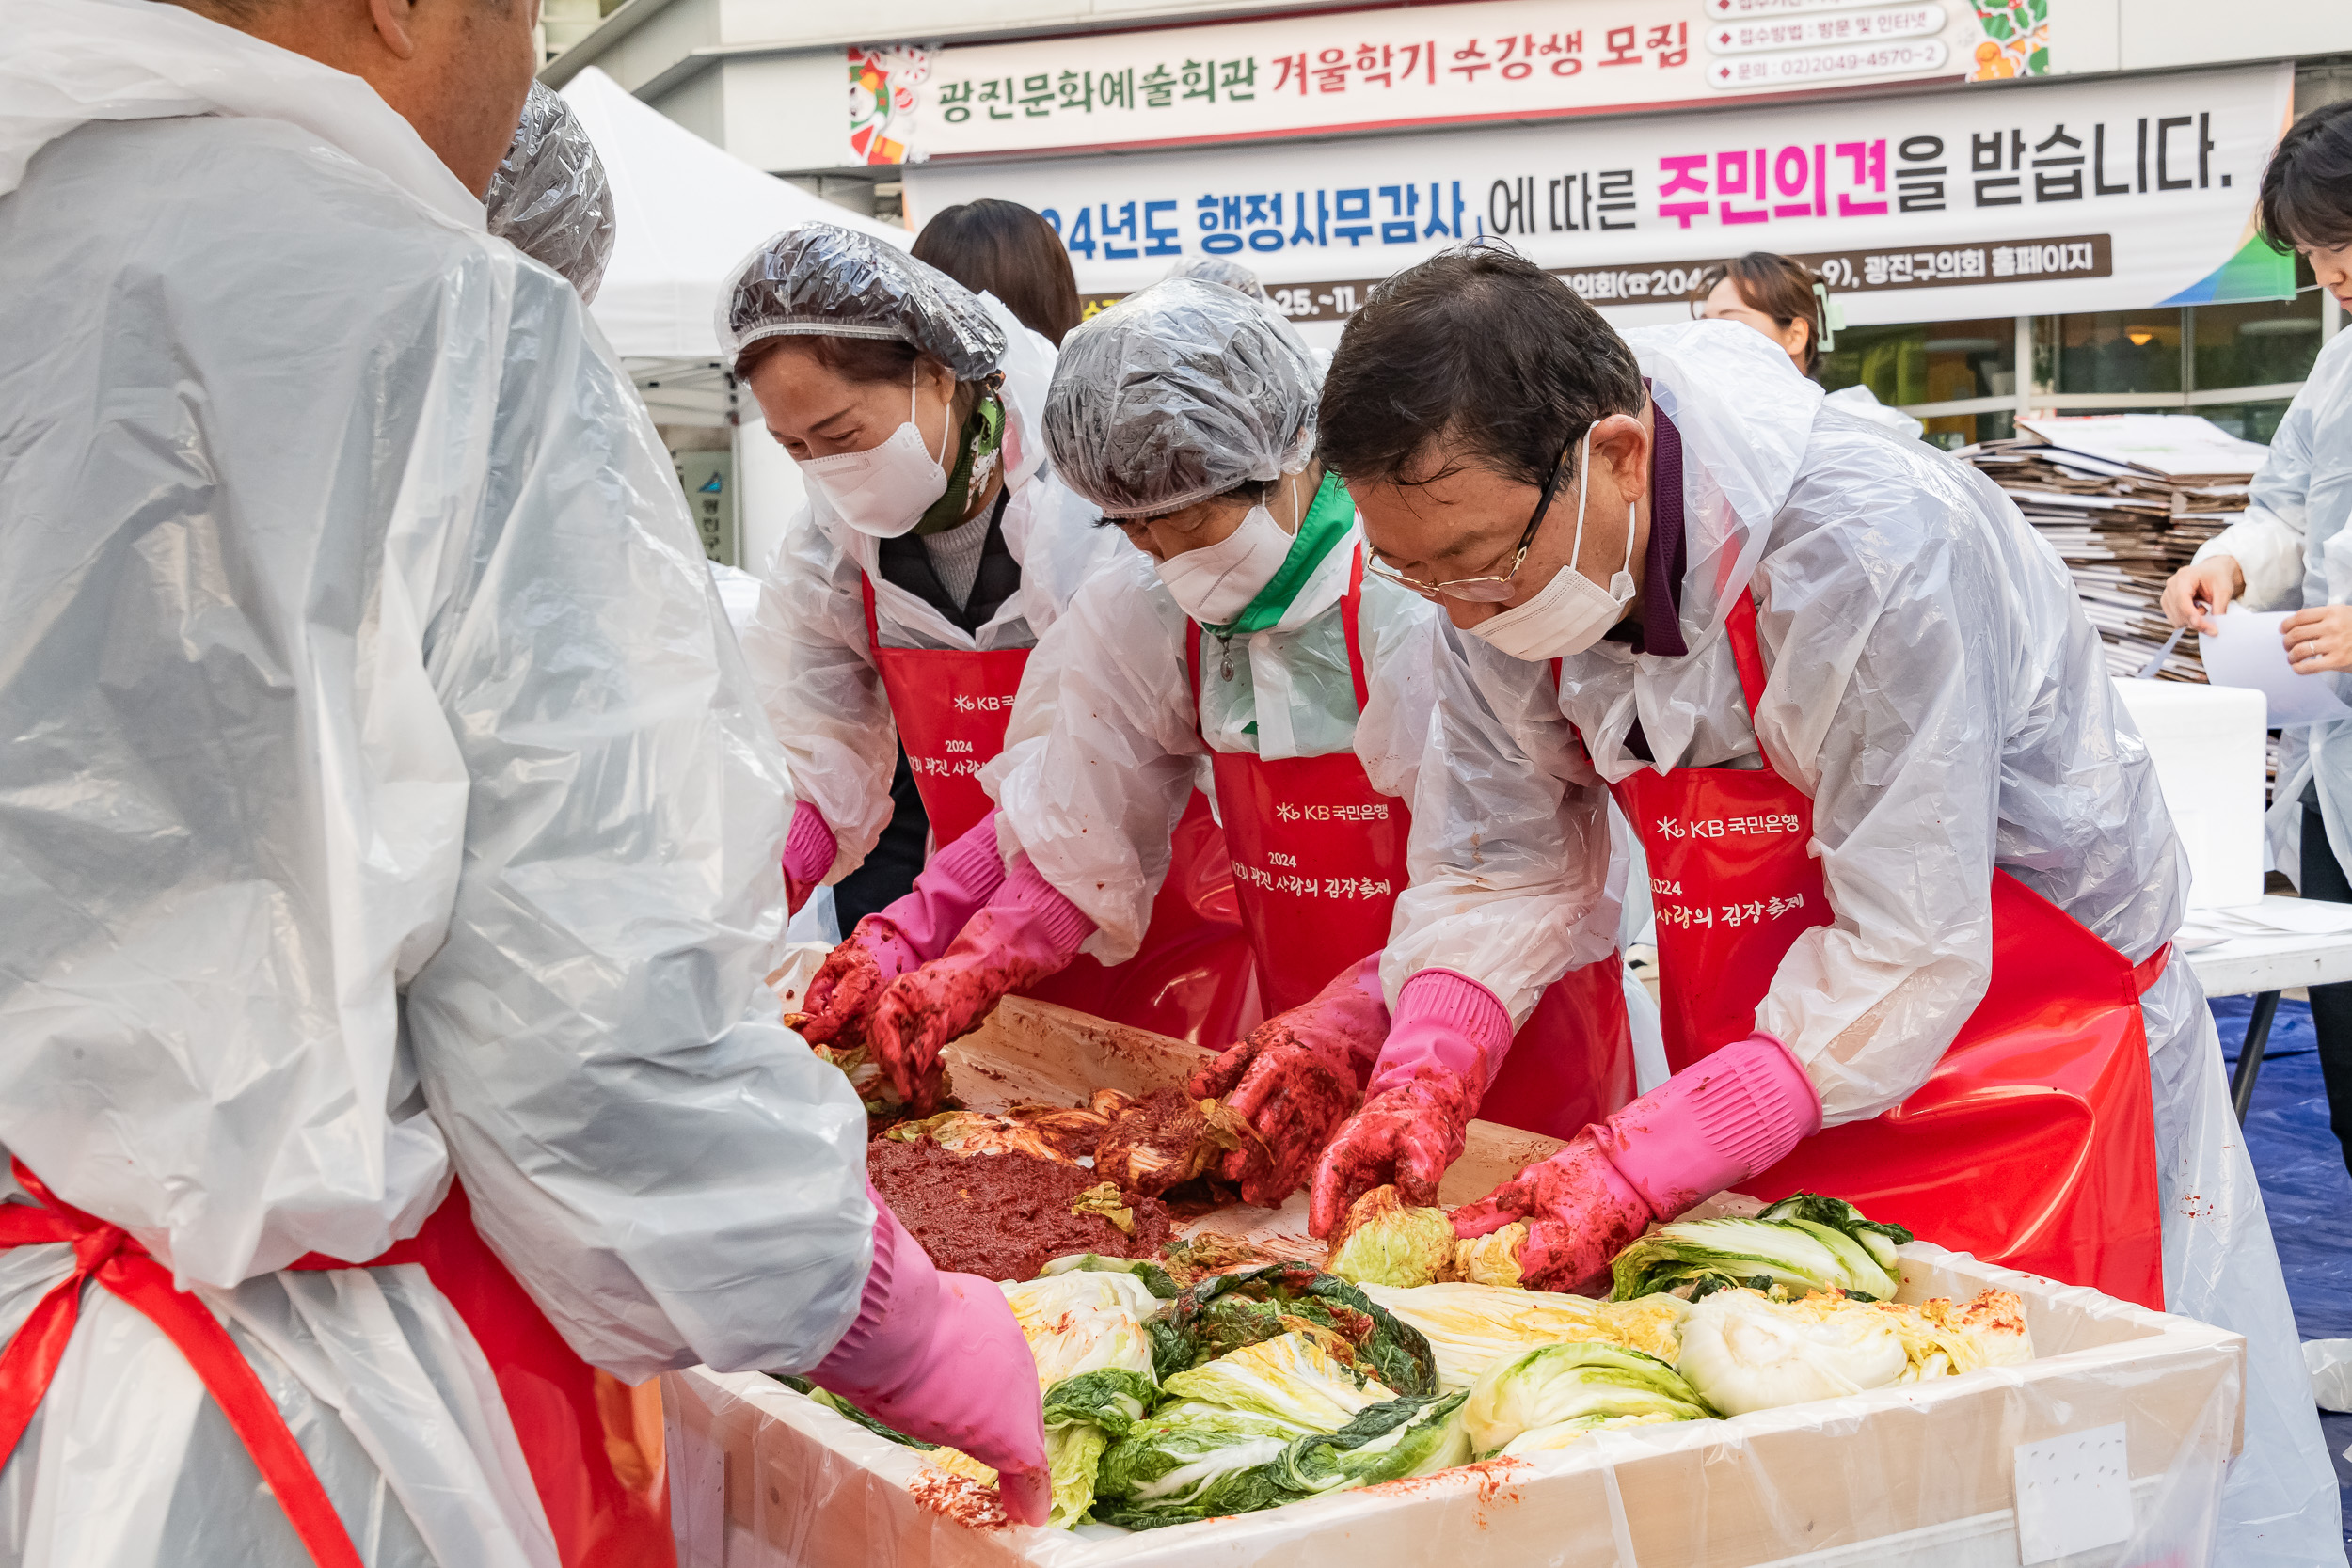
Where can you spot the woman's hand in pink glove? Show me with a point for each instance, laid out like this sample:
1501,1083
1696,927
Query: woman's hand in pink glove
951,888
809,849
1447,1037
1294,1081
940,1356
1027,932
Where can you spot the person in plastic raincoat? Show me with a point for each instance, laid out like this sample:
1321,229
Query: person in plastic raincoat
2291,551
391,857
1239,634
935,548
1911,865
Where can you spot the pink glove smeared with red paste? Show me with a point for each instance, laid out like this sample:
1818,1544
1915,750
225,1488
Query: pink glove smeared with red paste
1447,1040
1294,1081
940,1356
1710,1126
1027,932
912,931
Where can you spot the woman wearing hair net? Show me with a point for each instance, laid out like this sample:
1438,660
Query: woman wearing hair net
1239,633
1915,883
935,548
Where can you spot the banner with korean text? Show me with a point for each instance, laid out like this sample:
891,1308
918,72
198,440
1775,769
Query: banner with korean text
1469,62
2036,199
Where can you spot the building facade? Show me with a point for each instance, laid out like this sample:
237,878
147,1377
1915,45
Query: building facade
2020,205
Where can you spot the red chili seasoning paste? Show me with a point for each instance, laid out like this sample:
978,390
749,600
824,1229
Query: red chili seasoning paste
1002,1216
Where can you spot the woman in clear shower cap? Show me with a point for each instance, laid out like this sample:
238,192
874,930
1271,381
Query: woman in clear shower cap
1240,632
934,549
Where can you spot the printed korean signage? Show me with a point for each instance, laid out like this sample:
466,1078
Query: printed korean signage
2046,196
1479,60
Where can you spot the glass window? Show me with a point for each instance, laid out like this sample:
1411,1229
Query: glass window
2256,345
2124,351
1927,361
2249,421
1954,431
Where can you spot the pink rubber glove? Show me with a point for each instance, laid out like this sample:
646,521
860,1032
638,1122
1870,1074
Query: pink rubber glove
1027,932
912,931
809,849
940,1356
1294,1081
1449,1036
1710,1126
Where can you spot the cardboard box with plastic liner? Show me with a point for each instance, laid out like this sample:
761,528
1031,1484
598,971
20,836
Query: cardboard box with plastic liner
2107,1450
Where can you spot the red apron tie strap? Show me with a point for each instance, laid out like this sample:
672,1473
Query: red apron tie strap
2150,970
1350,604
107,1254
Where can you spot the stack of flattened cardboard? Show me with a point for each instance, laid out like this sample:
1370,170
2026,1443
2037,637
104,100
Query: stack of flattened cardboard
2125,499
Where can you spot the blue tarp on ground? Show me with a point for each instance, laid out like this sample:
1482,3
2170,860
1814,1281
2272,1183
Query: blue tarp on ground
2305,1186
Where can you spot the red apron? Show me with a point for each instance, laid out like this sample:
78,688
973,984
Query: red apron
1189,978
1319,856
593,1443
2032,1145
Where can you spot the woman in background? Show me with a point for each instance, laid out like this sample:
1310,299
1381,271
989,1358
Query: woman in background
1785,300
1003,248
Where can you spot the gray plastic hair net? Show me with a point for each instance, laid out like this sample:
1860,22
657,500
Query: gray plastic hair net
816,281
550,199
1180,393
1217,269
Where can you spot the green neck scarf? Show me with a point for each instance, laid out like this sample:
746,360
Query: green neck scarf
1319,532
983,432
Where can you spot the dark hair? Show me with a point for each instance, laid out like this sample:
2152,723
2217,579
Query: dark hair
2307,187
855,359
1481,350
1780,288
1009,251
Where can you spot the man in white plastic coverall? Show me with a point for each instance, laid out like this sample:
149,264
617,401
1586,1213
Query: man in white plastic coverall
2291,551
1240,633
934,549
386,806
1937,830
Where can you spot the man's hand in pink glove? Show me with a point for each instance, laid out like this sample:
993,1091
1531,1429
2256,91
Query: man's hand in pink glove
809,849
1027,932
940,1356
1444,1044
1293,1082
912,931
1710,1126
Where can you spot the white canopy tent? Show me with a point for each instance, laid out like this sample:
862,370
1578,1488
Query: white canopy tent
685,214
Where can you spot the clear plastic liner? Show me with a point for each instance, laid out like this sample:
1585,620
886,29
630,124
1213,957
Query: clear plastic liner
1922,1474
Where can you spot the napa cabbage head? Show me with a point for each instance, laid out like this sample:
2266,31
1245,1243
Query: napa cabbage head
1192,1461
1292,1378
1471,1327
1385,1243
1386,1442
1796,1255
1572,1382
1745,1352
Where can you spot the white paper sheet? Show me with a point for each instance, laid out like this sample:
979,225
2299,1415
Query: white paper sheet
2250,652
2167,444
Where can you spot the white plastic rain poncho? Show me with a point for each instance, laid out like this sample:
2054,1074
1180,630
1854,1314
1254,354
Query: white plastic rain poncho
1936,689
549,199
1182,392
384,801
2295,552
811,658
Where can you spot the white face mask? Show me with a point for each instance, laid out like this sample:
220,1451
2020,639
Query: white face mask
1215,582
1571,613
884,490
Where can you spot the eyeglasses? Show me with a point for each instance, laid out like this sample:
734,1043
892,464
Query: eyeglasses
1485,590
